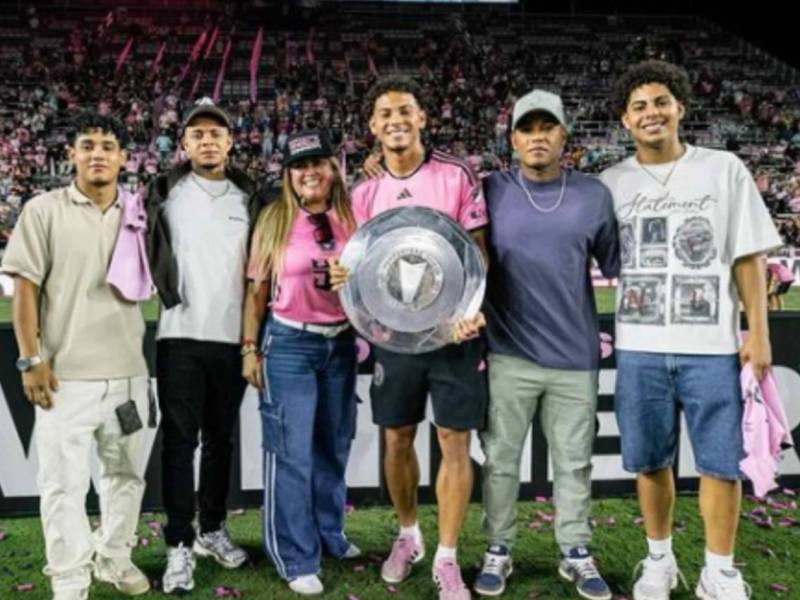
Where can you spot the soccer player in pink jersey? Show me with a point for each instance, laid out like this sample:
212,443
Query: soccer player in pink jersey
455,375
307,380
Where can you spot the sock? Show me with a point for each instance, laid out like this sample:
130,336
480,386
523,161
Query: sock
443,552
413,531
719,562
659,548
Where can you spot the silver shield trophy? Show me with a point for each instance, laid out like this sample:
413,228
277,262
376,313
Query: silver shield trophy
413,273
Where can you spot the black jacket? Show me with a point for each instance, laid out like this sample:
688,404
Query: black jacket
163,265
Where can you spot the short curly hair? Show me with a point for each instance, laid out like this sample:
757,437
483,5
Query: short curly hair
672,76
90,121
404,85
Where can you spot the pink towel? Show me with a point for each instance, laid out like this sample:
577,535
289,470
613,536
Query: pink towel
129,271
765,430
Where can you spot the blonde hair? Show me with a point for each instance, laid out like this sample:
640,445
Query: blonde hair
274,224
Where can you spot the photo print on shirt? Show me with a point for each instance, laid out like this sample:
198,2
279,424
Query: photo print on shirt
643,300
654,251
627,244
694,243
695,300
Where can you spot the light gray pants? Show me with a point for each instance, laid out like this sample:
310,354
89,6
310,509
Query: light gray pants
567,403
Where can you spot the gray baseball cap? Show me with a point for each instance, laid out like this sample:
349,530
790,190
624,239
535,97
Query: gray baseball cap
536,101
206,107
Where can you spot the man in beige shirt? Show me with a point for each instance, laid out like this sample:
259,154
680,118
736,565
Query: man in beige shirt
82,366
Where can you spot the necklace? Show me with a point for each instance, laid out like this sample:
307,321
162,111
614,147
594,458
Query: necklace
224,191
671,171
530,196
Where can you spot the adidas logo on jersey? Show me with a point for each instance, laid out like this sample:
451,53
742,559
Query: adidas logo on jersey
404,195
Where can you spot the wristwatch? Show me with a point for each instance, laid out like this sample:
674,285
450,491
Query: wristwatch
24,363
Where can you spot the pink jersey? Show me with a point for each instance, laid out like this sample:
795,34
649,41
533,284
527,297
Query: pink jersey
303,289
442,182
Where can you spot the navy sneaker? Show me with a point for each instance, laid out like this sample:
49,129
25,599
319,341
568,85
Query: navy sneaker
497,566
579,568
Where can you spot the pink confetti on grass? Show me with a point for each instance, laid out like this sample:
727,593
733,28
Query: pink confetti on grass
610,521
223,591
359,568
237,512
535,525
391,589
349,508
143,541
24,587
778,587
546,517
544,499
788,522
791,505
3,535
352,597
788,492
638,521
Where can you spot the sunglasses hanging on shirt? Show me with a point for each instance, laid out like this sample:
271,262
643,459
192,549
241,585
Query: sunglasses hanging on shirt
323,233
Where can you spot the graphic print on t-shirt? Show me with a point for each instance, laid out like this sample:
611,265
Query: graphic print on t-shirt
627,243
322,275
643,299
694,243
695,300
653,251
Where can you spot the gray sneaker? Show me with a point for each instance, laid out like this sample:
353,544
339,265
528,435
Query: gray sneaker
579,568
219,546
497,566
179,575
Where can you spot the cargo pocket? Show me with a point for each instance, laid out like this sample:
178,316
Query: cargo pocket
273,438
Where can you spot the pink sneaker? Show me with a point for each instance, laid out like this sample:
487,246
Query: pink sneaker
405,552
447,576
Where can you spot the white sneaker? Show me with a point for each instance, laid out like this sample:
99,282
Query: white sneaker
658,579
351,553
122,574
306,585
71,594
722,585
179,575
73,585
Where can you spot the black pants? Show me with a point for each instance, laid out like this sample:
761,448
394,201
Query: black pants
200,389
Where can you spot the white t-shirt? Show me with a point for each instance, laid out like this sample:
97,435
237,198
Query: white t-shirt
209,240
682,226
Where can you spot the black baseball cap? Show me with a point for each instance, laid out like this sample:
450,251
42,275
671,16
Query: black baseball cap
310,143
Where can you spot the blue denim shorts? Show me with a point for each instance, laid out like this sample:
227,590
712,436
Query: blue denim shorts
650,389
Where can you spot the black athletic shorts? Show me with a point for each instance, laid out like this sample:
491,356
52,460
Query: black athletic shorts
454,376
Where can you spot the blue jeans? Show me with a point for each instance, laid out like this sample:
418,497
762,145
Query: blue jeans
308,415
649,387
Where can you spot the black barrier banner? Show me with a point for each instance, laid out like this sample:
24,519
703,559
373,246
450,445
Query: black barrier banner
18,460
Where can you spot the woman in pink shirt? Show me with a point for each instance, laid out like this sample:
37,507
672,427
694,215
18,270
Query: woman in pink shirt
308,372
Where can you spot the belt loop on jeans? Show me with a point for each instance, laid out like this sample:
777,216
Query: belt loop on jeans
329,331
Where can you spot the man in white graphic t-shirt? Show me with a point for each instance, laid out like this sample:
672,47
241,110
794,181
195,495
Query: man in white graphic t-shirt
695,228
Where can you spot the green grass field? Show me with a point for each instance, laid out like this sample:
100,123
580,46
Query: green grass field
604,296
766,556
